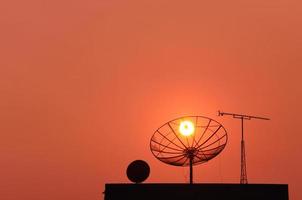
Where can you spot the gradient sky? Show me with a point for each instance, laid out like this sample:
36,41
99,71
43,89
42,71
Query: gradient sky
84,84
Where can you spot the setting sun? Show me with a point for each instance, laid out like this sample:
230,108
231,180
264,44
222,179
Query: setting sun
186,128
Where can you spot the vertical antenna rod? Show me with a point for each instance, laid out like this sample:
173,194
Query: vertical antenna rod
243,174
191,170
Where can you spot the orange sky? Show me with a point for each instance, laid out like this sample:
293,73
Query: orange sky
84,84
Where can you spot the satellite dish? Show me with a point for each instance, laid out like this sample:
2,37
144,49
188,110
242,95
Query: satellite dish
188,141
138,171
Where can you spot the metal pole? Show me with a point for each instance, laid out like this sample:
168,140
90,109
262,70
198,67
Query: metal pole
191,169
242,129
243,175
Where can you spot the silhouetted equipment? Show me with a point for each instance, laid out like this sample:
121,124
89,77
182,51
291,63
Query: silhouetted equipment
196,191
243,173
138,171
188,141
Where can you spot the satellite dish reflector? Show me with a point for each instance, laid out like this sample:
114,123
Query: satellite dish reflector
188,141
138,171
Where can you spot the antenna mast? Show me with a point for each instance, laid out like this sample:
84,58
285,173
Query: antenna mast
243,174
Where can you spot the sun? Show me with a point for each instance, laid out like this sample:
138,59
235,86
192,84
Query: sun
186,128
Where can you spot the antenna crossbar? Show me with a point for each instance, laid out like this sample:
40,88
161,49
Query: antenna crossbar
240,116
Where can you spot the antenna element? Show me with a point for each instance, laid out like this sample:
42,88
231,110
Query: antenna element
243,173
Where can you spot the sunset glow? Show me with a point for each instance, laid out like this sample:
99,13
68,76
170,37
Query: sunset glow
186,128
84,85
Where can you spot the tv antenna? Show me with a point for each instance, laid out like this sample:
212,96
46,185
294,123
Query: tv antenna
243,173
188,141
